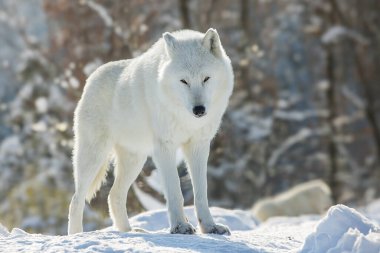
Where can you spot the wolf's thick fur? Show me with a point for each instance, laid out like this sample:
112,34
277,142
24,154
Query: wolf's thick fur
171,97
313,197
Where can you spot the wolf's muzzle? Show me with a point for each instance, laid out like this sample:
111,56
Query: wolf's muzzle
199,110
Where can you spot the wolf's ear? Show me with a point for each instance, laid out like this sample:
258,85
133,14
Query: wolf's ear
170,43
212,42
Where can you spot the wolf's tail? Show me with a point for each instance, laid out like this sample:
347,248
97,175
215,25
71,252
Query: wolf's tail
97,183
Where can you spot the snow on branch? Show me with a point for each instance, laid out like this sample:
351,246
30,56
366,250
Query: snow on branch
300,115
335,33
344,120
354,98
300,136
102,12
107,19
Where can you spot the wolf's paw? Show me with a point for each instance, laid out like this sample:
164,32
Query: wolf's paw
218,229
183,228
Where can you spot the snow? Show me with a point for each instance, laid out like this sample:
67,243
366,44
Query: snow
343,229
41,104
235,219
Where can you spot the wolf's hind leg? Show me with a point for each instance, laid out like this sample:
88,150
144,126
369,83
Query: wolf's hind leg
127,168
88,159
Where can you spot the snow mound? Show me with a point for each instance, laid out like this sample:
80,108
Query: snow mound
236,220
343,230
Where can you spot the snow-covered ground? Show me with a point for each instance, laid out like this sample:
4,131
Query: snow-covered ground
342,229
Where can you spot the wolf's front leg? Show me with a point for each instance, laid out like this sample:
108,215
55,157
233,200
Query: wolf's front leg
196,153
164,156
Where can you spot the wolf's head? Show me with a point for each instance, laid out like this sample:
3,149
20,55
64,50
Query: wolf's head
197,74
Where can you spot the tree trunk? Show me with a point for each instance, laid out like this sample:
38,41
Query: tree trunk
331,104
184,12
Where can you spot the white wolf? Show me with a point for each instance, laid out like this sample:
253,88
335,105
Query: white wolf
171,97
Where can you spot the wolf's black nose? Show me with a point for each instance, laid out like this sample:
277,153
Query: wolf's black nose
199,110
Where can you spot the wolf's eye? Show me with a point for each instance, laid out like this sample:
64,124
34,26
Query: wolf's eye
206,79
184,82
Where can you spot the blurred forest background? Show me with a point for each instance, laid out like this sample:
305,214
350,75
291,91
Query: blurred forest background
305,105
